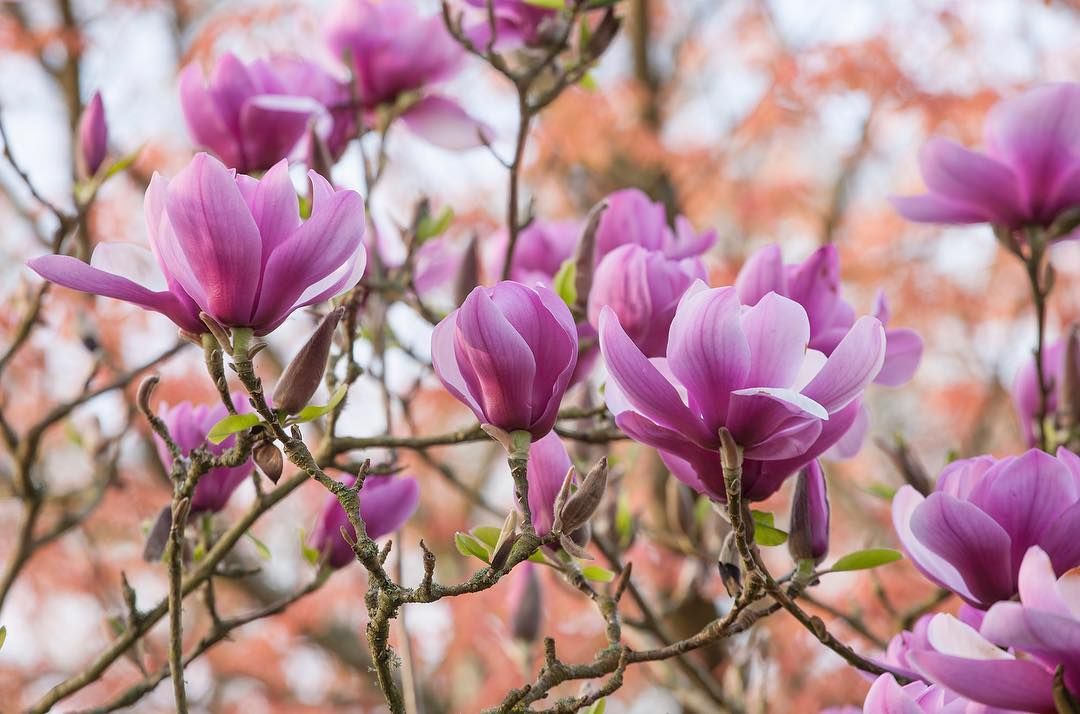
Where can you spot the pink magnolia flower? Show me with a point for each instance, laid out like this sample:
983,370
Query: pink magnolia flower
548,465
228,245
541,249
643,288
1025,389
633,218
508,354
250,116
809,537
188,426
396,55
746,369
887,696
1040,633
386,502
93,137
1028,173
517,23
971,534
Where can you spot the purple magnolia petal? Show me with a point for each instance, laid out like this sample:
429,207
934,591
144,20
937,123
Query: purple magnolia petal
1025,495
708,351
886,696
852,365
777,332
762,273
501,367
774,423
444,360
851,442
77,275
1039,587
320,246
903,352
386,502
687,242
905,504
931,208
643,386
1009,684
567,358
274,206
205,123
444,123
971,540
547,469
972,179
1060,540
685,472
272,125
218,236
815,284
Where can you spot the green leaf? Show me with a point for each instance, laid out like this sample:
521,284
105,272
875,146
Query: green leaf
624,519
597,574
883,491
597,707
548,4
702,507
310,554
3,635
769,536
488,535
469,546
866,559
263,551
231,425
313,412
199,552
763,518
588,82
565,283
120,164
430,227
539,557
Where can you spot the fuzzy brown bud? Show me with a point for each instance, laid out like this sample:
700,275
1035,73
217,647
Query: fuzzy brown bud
304,374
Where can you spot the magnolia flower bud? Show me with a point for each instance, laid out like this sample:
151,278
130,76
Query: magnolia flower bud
304,374
93,138
526,604
809,538
579,507
269,460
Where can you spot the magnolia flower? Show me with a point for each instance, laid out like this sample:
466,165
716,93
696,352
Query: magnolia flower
517,23
508,354
1041,632
548,465
632,218
525,601
395,56
541,249
248,115
188,426
1028,174
228,245
815,284
1025,389
971,534
93,138
386,502
642,287
746,369
896,655
887,696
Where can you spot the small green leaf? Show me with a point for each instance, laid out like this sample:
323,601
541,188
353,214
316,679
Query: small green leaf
304,203
263,551
548,4
3,635
230,425
199,552
702,507
597,574
310,554
769,536
866,559
597,707
119,165
488,535
588,82
430,227
763,518
565,282
313,412
624,519
539,557
883,491
469,546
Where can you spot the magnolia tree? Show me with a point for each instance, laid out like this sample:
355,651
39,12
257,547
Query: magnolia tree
579,346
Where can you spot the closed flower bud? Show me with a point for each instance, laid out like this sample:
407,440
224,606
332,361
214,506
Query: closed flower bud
386,502
526,603
581,506
508,354
93,138
269,460
809,538
304,374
